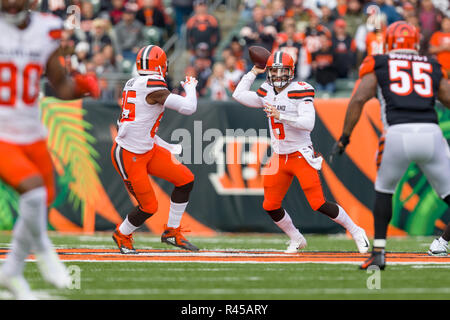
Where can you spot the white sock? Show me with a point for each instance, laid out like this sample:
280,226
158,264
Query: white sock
126,228
30,231
288,227
176,213
344,220
442,240
20,249
379,243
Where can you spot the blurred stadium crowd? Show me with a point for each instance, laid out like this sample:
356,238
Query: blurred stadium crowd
327,38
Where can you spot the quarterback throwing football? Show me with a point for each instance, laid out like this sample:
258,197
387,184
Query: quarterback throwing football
290,109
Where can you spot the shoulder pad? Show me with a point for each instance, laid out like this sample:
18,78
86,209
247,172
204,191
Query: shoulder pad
367,66
49,23
154,81
301,90
262,91
48,19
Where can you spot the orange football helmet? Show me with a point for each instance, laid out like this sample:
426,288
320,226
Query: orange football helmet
401,35
151,60
280,69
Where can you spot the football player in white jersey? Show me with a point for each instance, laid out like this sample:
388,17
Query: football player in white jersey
139,152
29,43
290,108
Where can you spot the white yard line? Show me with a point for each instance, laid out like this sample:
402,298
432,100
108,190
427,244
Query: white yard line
263,291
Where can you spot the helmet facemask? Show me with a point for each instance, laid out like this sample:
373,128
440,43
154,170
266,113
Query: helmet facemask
163,71
18,18
280,76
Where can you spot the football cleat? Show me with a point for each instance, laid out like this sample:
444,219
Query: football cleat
174,237
296,244
17,286
376,259
361,240
53,270
125,243
438,248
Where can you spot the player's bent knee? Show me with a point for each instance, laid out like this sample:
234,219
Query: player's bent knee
189,178
316,203
30,183
276,214
51,195
187,188
137,216
181,193
271,205
150,207
315,197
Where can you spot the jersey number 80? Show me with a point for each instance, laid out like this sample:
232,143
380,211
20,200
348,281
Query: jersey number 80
9,84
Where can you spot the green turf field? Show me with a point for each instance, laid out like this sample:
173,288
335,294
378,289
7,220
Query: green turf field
254,281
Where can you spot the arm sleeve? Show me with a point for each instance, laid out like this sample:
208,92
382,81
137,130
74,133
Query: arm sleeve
243,94
304,119
185,105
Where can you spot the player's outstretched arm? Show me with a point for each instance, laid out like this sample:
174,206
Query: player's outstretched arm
70,88
365,91
444,92
185,105
242,93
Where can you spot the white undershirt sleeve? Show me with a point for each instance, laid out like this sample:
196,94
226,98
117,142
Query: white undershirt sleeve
185,105
304,119
243,94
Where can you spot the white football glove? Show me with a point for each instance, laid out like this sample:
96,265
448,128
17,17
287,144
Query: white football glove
189,82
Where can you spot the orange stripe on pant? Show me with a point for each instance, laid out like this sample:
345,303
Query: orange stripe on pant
134,169
20,162
277,184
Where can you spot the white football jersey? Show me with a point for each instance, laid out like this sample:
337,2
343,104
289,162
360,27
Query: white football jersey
139,120
23,59
287,138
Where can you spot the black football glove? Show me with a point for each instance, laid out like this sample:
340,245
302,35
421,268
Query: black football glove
339,146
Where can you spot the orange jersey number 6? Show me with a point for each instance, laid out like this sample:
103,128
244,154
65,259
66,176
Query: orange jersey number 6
277,128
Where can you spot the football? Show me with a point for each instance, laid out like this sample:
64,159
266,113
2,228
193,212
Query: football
259,56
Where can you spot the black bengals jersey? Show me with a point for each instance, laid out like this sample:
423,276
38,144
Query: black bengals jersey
407,86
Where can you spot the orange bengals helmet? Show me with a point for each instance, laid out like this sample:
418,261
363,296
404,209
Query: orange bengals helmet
151,60
401,35
280,69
